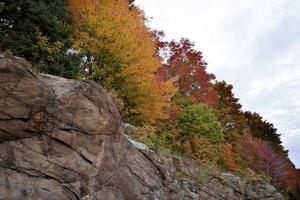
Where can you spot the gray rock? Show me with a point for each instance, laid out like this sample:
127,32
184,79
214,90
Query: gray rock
128,129
137,145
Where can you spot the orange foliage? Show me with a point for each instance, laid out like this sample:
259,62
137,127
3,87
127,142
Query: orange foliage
113,26
228,157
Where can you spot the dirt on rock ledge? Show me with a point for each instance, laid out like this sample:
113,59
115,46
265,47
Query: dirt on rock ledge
63,139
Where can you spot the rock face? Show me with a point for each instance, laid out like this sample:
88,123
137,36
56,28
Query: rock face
192,183
63,139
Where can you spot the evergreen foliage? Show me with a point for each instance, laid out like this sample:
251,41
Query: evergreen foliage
39,30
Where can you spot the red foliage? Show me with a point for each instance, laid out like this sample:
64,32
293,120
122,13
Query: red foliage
174,112
268,161
188,64
264,159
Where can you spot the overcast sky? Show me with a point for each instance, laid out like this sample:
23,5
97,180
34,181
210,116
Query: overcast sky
253,45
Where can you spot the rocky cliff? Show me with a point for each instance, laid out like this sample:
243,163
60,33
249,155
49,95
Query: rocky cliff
64,139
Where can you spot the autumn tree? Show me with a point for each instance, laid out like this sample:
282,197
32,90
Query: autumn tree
263,158
229,113
267,161
228,157
264,130
202,150
121,54
184,61
292,178
40,32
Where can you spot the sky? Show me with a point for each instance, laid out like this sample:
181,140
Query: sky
253,45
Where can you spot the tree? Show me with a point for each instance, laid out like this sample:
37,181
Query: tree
121,51
230,115
267,161
200,133
40,32
263,158
228,110
200,120
188,64
264,130
228,157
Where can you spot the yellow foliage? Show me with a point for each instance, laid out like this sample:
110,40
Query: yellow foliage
111,25
200,149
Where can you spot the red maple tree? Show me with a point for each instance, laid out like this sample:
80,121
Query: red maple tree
184,61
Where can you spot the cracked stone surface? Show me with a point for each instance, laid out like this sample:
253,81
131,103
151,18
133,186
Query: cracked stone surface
63,139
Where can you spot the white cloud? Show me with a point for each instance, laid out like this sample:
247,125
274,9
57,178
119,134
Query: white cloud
285,77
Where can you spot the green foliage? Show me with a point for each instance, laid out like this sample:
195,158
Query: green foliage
1,6
179,174
146,134
165,138
39,31
200,120
196,134
103,68
203,176
181,100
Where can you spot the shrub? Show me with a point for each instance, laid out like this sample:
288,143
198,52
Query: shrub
199,148
166,138
199,120
203,176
